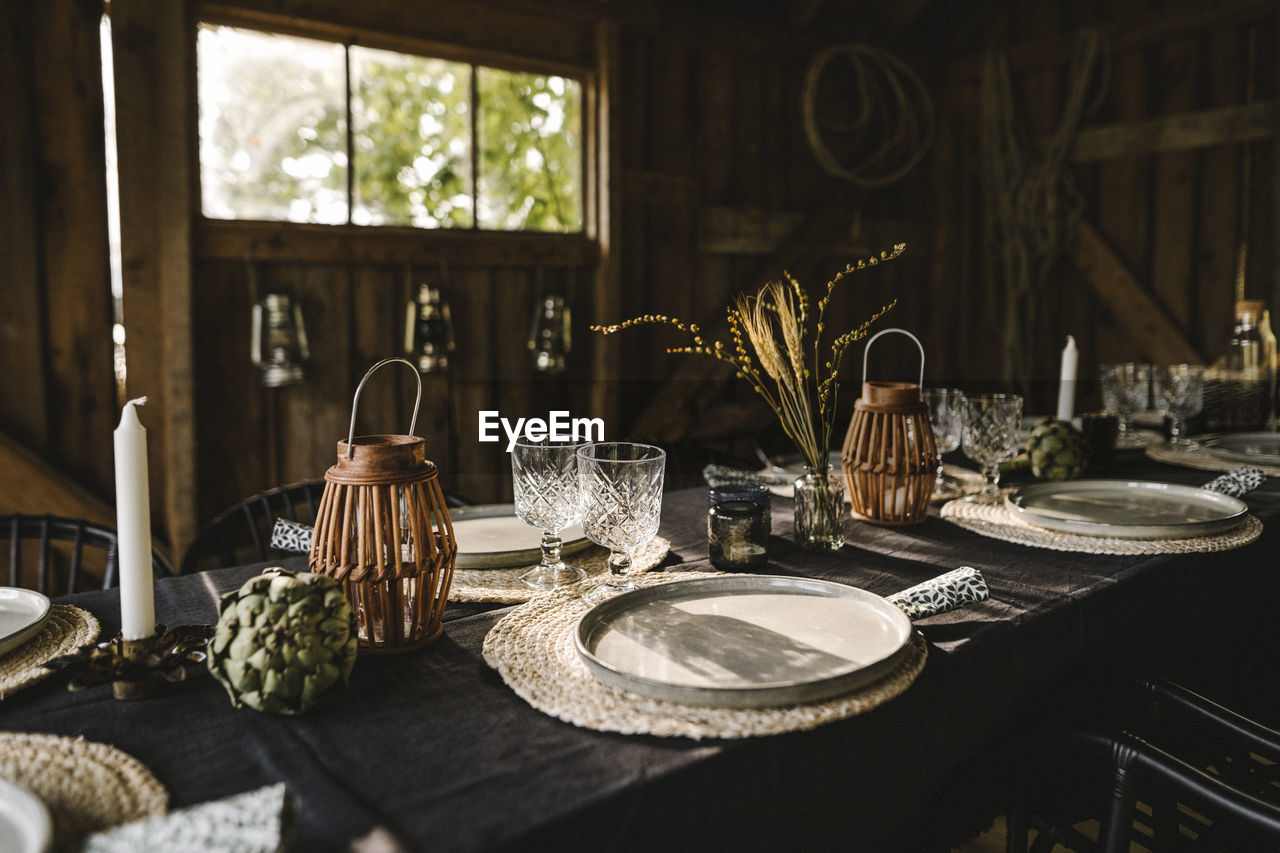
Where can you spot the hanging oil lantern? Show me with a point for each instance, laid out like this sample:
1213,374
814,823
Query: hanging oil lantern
890,458
383,530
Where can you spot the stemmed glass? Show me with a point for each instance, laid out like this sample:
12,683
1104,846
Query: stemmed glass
621,503
946,416
544,477
1126,388
990,436
1182,386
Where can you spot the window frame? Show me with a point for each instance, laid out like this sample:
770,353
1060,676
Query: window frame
347,243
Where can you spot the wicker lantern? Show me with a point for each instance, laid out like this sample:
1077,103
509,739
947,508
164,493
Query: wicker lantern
890,458
383,529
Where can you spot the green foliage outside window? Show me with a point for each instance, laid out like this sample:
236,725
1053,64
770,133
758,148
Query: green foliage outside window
273,146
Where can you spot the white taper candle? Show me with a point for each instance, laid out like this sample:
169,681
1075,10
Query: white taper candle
133,526
1067,380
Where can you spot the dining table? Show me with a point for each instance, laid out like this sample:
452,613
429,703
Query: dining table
432,749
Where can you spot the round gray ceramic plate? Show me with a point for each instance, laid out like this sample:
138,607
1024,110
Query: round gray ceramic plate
490,536
1259,448
1127,509
22,612
739,641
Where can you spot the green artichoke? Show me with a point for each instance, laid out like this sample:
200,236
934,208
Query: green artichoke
1056,450
284,642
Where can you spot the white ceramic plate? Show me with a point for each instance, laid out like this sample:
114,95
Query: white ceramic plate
24,821
743,641
1259,448
490,536
22,612
1127,509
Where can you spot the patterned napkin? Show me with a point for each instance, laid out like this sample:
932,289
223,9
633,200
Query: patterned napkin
1237,483
945,592
253,822
291,536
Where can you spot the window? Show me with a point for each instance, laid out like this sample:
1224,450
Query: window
300,130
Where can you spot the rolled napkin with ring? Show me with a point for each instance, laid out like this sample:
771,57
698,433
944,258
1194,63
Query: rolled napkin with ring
1237,483
964,585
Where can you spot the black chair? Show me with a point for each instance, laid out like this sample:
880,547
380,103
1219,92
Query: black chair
242,534
1185,774
61,543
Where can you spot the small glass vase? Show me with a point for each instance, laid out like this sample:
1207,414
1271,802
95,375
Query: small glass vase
819,521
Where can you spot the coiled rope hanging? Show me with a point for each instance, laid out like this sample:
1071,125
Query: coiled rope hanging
893,122
1030,199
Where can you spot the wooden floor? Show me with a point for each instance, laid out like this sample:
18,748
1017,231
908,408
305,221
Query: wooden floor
991,841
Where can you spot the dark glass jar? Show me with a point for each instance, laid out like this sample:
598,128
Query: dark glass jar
738,526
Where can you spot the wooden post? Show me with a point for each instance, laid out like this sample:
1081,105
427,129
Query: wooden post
154,68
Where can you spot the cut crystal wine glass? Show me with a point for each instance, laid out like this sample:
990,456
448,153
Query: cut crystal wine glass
620,486
992,423
1126,390
544,478
946,416
1182,386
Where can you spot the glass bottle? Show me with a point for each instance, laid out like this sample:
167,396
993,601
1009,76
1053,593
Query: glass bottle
1237,386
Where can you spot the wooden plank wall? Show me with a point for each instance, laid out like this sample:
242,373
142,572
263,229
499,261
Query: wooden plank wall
1173,217
58,396
712,190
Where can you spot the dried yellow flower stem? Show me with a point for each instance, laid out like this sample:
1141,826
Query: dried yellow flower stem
794,384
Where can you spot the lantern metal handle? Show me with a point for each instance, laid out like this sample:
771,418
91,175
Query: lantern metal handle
872,340
355,403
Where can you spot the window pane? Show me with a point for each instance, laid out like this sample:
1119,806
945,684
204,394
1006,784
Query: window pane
530,129
411,119
272,127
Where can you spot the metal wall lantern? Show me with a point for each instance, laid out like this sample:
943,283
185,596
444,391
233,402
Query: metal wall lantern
549,338
279,345
428,330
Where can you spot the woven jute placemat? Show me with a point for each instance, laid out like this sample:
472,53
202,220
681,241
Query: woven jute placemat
1198,457
67,628
86,786
503,586
533,649
991,517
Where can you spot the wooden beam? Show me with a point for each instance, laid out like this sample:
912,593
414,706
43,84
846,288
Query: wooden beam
1148,322
606,287
1178,132
154,67
352,244
35,487
1124,36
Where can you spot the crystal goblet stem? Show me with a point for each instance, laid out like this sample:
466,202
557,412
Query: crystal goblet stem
620,486
545,482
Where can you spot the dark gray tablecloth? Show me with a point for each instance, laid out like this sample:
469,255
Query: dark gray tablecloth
432,746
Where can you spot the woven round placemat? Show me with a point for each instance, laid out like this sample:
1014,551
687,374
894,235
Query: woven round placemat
86,786
991,517
503,586
1196,457
67,628
533,649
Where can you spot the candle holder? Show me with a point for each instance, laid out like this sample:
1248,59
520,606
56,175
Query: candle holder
738,526
136,669
890,457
